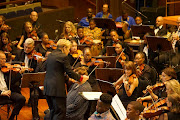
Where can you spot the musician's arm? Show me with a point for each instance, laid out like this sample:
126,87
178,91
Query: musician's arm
20,42
119,81
132,87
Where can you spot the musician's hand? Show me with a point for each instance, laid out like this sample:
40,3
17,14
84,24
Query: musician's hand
175,37
19,47
6,93
117,87
85,78
149,88
140,99
22,70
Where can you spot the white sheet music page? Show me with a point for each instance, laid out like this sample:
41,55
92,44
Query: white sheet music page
118,107
91,95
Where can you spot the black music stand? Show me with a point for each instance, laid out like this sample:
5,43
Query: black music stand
105,23
110,75
141,30
110,50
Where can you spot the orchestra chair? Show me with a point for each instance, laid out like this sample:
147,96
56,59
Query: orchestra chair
28,11
38,9
8,102
20,13
11,15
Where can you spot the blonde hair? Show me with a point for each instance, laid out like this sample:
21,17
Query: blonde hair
174,86
175,100
27,23
29,41
73,28
63,42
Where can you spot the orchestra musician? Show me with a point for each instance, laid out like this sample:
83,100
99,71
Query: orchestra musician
69,31
167,74
85,20
138,20
173,102
134,110
79,36
7,46
54,83
92,31
103,108
104,13
13,93
129,83
160,30
42,47
3,26
130,20
28,33
123,57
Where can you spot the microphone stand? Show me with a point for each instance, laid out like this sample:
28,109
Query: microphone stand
133,9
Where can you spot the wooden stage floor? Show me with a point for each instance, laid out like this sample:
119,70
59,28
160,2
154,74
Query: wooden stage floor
26,113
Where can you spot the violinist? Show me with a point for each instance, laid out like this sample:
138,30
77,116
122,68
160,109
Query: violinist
3,26
28,33
69,31
173,102
134,110
80,35
7,46
122,58
13,93
74,54
42,47
129,83
167,74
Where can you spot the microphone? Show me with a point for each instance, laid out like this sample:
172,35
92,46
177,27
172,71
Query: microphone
60,21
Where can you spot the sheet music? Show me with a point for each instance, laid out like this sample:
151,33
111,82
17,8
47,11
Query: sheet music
118,107
91,95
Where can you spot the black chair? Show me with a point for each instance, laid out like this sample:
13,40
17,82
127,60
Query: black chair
7,102
28,11
11,15
20,13
38,9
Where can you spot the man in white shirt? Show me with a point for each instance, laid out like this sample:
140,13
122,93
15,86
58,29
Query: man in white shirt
11,94
160,30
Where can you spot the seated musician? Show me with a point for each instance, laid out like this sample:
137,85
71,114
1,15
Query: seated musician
168,74
76,104
3,26
85,20
126,18
173,102
7,46
25,55
129,83
74,56
160,30
36,25
42,47
134,110
103,108
92,31
28,33
139,20
104,13
112,42
80,35
69,31
123,57
14,93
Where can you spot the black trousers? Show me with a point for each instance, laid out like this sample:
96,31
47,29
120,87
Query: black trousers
18,99
57,106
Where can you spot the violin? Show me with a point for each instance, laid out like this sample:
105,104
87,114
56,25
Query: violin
15,68
36,56
5,27
33,35
155,87
78,54
51,44
95,62
68,36
7,48
140,69
87,40
155,112
158,104
121,57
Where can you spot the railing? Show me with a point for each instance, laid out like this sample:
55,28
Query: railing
13,2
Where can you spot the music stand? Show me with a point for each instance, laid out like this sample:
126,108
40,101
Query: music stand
29,79
110,50
110,75
141,30
105,23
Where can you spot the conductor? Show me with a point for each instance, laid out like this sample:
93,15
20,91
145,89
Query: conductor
54,83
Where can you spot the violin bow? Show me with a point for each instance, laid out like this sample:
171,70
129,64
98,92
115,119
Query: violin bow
120,55
93,70
76,61
105,82
10,73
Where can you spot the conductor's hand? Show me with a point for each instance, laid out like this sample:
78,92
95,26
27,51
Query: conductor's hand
6,93
85,78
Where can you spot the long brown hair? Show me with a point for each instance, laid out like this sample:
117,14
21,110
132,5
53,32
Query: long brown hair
175,100
129,65
170,72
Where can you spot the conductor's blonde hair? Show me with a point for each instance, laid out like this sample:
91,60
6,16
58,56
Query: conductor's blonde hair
63,42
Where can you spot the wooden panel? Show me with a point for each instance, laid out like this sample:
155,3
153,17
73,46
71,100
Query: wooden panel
56,3
171,20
